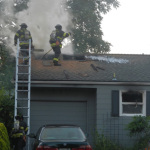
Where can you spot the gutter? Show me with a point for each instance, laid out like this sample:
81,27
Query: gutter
88,83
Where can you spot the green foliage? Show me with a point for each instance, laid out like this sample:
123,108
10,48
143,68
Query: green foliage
7,67
7,63
4,139
6,109
142,142
20,5
140,128
86,29
139,125
104,143
3,56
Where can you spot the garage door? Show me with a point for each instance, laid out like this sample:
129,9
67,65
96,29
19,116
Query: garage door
63,112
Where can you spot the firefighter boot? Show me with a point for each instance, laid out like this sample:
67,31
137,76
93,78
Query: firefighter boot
56,63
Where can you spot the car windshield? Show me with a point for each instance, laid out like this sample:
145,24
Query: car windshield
62,133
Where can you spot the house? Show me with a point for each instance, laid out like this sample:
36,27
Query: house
100,92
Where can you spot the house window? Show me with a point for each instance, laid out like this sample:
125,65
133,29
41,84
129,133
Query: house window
132,103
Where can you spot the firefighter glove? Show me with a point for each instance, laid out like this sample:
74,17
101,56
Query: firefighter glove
57,43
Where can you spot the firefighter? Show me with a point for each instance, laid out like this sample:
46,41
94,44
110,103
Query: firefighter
56,43
24,35
19,134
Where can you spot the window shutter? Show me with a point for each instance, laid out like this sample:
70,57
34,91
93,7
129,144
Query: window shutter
115,103
148,103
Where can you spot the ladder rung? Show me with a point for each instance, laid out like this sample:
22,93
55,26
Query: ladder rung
23,65
23,73
22,107
23,90
23,57
24,50
24,41
23,82
26,116
22,99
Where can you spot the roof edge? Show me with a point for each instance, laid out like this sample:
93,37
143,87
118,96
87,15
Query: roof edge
89,83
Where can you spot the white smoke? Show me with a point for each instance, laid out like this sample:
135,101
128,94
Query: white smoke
108,59
6,22
41,18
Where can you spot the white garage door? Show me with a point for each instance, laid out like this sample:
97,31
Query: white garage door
48,112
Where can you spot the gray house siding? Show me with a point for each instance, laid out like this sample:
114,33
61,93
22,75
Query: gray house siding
96,100
110,126
64,105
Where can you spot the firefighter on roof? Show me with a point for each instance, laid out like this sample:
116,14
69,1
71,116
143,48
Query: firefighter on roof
24,35
56,38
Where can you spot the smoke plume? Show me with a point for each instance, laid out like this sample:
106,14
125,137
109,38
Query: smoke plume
41,18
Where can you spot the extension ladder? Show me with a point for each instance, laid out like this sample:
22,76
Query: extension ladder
23,85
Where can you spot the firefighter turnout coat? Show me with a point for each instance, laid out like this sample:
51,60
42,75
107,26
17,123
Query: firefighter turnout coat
21,132
60,35
24,35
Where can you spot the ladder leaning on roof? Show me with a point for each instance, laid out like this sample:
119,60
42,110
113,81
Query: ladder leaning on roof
23,85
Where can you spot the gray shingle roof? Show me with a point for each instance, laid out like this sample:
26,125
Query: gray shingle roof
99,68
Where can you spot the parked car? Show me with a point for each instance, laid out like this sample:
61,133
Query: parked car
59,137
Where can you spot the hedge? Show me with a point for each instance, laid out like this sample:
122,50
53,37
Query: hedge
4,139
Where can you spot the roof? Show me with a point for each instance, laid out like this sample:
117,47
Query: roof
96,68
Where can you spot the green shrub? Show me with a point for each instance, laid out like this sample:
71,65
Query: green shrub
139,127
6,109
104,143
4,139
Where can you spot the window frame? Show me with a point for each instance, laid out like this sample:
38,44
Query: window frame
143,104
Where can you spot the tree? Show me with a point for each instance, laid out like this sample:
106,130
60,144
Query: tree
139,127
7,67
87,18
7,18
6,109
20,5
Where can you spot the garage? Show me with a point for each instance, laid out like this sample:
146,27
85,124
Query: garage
63,106
55,112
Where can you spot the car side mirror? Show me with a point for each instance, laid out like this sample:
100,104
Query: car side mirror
31,135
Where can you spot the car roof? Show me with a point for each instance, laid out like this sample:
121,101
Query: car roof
60,125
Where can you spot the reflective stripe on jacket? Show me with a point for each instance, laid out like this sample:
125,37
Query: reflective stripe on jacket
21,35
23,129
17,135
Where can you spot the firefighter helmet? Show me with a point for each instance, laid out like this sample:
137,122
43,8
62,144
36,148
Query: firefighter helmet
24,25
58,26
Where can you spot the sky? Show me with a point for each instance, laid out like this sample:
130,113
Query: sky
127,28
